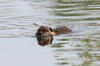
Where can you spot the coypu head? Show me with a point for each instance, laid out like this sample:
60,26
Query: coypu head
44,31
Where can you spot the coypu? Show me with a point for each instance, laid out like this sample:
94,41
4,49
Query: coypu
48,31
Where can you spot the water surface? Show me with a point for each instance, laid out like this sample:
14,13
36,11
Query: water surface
20,19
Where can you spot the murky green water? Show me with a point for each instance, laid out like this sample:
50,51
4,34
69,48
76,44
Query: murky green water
21,18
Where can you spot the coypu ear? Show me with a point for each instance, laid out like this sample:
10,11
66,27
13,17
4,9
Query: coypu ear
50,29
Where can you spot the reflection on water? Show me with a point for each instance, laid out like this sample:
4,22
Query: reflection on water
21,18
46,40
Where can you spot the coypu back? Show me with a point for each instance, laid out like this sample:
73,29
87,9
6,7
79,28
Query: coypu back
62,30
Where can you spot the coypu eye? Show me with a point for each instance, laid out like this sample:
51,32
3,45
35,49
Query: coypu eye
46,31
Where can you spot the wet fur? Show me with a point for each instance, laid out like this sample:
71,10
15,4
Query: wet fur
48,31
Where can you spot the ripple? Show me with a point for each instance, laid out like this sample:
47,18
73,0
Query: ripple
80,48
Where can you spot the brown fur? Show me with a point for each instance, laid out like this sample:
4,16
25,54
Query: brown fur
47,31
61,30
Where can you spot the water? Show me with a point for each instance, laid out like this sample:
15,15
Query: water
20,19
